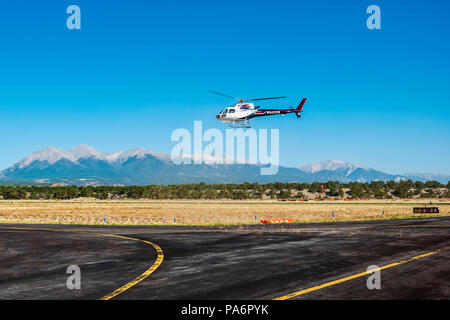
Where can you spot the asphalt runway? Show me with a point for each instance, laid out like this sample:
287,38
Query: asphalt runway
295,261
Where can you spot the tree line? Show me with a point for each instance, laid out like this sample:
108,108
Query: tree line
277,190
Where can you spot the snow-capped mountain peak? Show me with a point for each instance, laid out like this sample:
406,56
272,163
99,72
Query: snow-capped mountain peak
49,154
52,155
332,165
85,151
138,153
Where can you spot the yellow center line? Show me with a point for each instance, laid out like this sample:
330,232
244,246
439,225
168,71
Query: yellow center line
128,285
358,275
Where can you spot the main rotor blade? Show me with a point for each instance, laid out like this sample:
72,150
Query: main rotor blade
225,95
242,100
264,98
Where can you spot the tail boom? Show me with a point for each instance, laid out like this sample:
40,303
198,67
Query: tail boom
271,112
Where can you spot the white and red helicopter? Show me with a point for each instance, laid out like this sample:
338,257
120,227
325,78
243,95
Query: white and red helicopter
239,114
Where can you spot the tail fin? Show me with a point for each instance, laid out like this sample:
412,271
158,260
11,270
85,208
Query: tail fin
299,108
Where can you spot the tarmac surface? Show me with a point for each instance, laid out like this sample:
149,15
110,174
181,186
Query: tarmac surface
239,262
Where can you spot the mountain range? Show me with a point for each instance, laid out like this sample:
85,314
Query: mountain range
83,165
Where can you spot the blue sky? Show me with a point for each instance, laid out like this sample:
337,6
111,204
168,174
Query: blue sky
137,70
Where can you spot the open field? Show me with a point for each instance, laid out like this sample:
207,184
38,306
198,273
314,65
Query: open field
85,211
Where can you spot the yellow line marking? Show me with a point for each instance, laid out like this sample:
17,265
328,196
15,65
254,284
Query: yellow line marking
424,226
141,277
358,275
128,285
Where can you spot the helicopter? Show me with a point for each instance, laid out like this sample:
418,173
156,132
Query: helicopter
239,114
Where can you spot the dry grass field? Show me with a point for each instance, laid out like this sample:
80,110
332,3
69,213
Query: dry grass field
87,211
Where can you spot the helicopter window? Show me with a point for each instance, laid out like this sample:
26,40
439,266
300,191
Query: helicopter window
231,111
225,111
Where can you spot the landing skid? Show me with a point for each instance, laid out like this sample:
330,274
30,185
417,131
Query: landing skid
239,124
